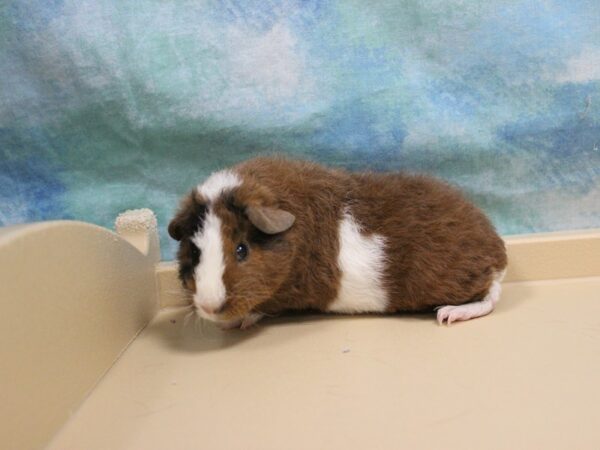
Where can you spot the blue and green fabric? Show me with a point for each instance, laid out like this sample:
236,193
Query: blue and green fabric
107,105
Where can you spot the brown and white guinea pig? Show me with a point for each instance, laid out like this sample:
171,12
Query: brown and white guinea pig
272,234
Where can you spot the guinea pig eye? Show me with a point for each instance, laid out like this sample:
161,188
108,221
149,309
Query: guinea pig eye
195,253
241,252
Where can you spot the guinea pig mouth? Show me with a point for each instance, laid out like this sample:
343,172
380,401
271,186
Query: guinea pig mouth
213,317
218,319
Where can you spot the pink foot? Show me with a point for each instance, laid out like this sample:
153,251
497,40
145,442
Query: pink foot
468,311
454,313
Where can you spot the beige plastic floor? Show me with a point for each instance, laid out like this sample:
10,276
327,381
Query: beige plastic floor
525,377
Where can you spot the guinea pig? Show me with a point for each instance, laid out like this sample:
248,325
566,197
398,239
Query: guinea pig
273,234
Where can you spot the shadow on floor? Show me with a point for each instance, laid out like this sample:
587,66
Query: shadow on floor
194,335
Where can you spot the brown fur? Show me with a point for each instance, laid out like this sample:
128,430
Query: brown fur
440,248
186,222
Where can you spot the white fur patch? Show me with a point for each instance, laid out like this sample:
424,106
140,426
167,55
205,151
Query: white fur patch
362,261
210,290
218,183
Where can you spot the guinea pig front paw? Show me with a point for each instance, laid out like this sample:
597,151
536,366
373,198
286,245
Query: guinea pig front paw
242,324
250,320
229,324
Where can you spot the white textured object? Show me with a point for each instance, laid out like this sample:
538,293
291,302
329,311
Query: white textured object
140,228
136,220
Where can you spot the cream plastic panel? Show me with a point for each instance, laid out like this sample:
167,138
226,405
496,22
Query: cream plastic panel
547,256
72,296
525,378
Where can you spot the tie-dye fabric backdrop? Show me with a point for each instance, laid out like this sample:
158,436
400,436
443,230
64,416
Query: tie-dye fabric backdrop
107,105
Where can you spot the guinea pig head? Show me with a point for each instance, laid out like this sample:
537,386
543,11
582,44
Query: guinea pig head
235,249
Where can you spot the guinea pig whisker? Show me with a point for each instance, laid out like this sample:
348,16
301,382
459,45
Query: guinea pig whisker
264,313
182,293
202,325
177,291
187,317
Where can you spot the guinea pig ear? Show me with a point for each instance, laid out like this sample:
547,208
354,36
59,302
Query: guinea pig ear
270,220
187,219
176,227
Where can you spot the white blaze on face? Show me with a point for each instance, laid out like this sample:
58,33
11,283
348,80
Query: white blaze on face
210,290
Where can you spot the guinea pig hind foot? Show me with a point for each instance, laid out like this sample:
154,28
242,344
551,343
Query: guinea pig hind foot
455,313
